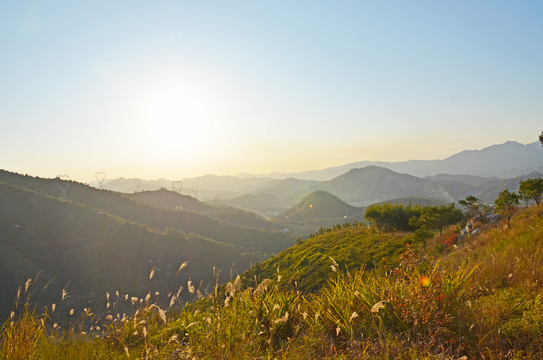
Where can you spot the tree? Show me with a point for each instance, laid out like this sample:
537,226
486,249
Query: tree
390,217
506,204
436,217
472,206
531,189
541,138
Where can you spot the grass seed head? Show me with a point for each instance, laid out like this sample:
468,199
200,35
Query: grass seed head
184,265
153,272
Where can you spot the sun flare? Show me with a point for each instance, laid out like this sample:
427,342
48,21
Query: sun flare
178,121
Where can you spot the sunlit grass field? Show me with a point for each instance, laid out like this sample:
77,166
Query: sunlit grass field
480,298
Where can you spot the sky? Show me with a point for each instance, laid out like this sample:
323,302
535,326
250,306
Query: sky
178,89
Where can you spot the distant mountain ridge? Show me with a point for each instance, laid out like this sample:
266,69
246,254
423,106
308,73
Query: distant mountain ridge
505,160
375,184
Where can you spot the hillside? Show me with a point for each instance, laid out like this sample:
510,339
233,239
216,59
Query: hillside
306,265
347,293
171,200
206,188
373,184
265,204
291,190
321,209
189,222
89,252
413,200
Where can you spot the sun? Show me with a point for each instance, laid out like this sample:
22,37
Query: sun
178,121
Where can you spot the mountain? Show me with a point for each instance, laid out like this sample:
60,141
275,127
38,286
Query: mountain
452,178
489,192
373,184
321,209
486,189
208,187
172,200
413,200
274,198
262,203
90,241
89,252
291,190
131,185
120,205
507,160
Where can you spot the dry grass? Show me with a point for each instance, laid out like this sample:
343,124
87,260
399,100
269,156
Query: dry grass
483,300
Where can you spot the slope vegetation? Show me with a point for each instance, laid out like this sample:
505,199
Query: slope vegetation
321,209
89,252
156,217
480,299
306,266
171,200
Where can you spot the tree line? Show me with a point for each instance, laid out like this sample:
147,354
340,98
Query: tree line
397,217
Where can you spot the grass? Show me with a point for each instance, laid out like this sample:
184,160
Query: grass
482,299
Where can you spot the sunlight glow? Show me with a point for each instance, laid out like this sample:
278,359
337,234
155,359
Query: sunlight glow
177,121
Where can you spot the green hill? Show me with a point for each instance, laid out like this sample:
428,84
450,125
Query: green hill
189,222
90,252
321,208
306,265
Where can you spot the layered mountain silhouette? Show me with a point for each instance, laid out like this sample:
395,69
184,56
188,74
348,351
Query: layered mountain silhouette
373,184
89,242
471,172
506,160
172,200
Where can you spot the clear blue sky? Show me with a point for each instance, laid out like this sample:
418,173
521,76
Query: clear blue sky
178,89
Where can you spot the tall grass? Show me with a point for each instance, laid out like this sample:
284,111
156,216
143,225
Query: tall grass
482,300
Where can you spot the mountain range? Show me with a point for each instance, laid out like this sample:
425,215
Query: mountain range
506,160
65,235
474,172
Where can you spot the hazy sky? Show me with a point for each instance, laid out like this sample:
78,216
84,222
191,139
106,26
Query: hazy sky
178,89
